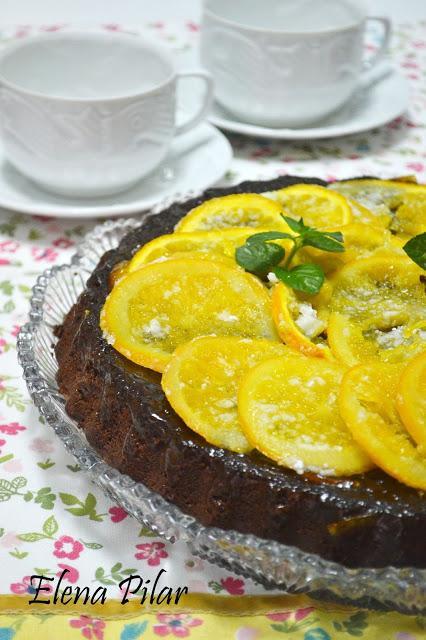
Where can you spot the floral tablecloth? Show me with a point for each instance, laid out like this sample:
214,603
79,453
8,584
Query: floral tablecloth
53,519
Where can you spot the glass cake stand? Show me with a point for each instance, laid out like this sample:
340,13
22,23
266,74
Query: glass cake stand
274,565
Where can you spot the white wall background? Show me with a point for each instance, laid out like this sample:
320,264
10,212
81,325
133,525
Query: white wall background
138,11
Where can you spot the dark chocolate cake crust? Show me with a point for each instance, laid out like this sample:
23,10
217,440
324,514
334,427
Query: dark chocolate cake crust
369,520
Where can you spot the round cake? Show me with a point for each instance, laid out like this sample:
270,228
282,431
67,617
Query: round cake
368,520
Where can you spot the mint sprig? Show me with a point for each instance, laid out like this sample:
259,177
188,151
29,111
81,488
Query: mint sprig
260,256
308,278
415,249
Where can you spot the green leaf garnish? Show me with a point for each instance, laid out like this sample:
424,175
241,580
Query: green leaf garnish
297,226
268,235
415,249
307,278
259,257
323,240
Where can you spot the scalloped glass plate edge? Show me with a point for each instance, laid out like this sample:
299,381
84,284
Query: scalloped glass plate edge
274,565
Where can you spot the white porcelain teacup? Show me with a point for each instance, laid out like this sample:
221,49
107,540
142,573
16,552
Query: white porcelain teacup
90,113
286,62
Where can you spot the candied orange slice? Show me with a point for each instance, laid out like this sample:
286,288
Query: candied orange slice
411,399
235,210
117,274
361,241
155,309
363,215
404,202
347,342
367,404
209,244
378,196
201,383
297,322
289,412
378,310
410,217
319,207
200,255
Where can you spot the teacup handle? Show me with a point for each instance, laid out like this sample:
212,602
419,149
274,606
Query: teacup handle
194,119
374,69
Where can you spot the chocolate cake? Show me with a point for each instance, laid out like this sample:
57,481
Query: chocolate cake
368,520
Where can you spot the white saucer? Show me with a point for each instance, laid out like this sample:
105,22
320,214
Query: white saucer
374,107
197,160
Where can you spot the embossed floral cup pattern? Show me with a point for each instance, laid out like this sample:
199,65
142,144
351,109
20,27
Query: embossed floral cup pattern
280,76
93,113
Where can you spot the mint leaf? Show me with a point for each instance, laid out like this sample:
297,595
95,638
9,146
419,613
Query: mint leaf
415,249
298,226
337,235
323,240
258,257
268,235
307,278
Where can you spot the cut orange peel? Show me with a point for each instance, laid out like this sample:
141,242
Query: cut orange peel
376,302
297,323
411,399
153,310
367,404
319,207
288,410
211,245
236,210
201,383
